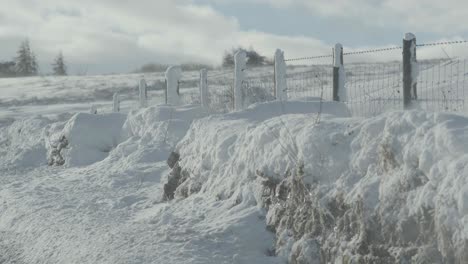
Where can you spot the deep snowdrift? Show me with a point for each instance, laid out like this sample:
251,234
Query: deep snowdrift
403,173
383,189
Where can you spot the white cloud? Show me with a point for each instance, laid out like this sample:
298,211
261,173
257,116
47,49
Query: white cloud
110,35
433,16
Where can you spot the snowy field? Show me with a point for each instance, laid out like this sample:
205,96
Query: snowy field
399,178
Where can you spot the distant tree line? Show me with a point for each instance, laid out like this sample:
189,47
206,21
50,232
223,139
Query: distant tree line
253,58
25,63
155,67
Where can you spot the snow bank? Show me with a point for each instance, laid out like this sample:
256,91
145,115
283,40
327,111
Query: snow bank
156,123
89,138
263,137
150,134
22,142
403,171
383,190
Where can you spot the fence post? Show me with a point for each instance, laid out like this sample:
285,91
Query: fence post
240,63
204,87
410,70
116,105
339,92
173,76
143,94
280,76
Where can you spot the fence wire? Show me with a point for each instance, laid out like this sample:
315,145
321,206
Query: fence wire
441,85
373,88
259,85
308,82
221,91
189,90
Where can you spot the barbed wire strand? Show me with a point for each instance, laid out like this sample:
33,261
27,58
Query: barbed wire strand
371,50
378,50
442,43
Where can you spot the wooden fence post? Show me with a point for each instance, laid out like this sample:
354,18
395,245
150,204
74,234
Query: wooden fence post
339,92
173,76
240,63
116,103
143,96
280,76
410,70
204,88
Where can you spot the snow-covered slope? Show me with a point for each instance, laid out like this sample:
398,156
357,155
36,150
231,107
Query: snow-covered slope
405,170
383,189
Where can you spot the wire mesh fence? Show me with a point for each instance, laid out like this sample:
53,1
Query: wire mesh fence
373,88
259,85
441,85
221,91
189,90
308,82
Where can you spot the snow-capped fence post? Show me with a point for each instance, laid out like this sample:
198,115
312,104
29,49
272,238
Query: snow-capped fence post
339,92
410,70
280,76
240,63
143,94
116,104
173,76
204,87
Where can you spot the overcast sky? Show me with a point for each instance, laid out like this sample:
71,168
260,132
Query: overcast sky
104,36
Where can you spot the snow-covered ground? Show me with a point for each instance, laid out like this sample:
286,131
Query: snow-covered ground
399,180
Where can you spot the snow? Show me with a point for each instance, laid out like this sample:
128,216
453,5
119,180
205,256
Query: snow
91,137
409,36
105,204
419,156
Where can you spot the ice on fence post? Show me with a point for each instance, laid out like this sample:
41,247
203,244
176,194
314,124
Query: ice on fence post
240,62
280,76
116,105
143,94
204,87
173,76
339,75
414,64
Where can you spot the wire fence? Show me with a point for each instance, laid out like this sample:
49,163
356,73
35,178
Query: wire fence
308,82
373,88
441,85
221,91
259,85
189,90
